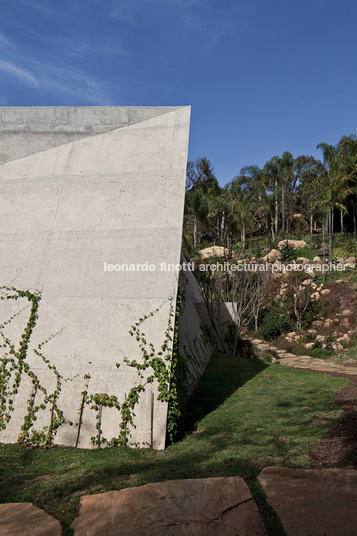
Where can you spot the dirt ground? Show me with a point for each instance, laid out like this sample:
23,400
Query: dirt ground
338,448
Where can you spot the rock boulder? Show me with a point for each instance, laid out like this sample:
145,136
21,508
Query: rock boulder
205,506
272,256
297,244
25,519
214,251
317,502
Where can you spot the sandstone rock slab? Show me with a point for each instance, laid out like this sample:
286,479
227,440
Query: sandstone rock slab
25,519
325,291
209,506
297,244
313,502
214,251
345,339
347,313
272,256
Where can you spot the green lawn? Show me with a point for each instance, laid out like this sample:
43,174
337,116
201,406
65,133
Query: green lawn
246,415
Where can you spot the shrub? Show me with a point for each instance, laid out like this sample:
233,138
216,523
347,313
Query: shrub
329,338
343,251
310,337
230,331
288,253
274,323
310,313
322,353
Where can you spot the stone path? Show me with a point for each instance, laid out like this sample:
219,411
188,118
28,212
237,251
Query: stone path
311,363
320,502
25,519
306,362
309,503
193,507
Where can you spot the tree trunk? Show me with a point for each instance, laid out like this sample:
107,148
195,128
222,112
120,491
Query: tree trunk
354,225
269,232
330,237
311,218
195,231
230,243
276,207
324,225
273,235
341,222
243,236
222,229
283,210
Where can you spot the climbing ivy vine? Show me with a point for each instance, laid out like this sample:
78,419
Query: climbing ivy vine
14,365
162,365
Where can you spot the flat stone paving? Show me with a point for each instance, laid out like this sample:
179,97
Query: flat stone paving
193,507
320,502
25,519
307,362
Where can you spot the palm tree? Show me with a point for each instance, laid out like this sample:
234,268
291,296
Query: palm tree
239,210
338,163
255,188
201,187
311,184
281,181
347,148
331,164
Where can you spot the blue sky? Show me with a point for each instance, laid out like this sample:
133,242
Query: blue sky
262,76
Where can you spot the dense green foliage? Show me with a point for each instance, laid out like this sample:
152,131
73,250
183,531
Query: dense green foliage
273,322
311,313
288,253
298,196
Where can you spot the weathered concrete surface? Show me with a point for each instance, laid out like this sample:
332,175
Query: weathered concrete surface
207,506
313,502
25,519
194,345
43,127
114,197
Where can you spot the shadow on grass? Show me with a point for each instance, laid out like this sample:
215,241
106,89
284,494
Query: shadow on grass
224,375
71,473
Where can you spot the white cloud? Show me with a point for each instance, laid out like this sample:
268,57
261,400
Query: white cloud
54,70
41,7
82,47
199,16
14,70
6,42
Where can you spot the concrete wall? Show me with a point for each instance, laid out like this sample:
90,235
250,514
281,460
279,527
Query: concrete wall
195,347
80,187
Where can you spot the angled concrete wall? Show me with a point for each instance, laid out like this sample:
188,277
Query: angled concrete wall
194,344
80,187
